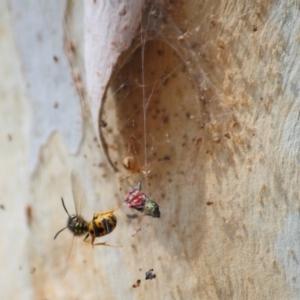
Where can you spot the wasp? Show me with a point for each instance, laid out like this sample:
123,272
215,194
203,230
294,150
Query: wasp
102,223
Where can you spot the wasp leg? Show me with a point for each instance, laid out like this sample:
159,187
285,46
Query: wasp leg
87,235
105,244
99,214
98,244
90,242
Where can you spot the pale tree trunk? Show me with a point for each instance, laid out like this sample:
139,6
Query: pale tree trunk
203,95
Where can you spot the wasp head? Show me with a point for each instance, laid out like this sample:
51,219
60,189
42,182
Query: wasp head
77,225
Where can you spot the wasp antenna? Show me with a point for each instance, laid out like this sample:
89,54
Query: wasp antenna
63,203
60,232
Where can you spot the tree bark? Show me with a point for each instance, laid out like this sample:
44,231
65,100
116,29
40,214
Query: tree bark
203,96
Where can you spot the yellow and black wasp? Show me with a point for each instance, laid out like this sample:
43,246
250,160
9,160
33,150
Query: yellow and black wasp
102,223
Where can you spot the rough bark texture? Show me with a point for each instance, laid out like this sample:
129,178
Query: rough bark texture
204,94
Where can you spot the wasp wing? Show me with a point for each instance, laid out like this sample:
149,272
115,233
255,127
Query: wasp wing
79,195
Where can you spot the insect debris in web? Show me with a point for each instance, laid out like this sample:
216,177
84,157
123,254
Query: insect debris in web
149,275
141,202
137,284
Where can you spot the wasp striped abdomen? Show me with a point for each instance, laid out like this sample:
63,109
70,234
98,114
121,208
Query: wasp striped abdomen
102,225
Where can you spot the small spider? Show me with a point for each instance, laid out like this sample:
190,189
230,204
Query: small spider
132,163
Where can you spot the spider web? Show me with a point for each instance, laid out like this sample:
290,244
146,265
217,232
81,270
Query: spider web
164,104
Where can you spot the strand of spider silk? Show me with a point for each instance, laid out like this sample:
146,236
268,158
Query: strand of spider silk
143,41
